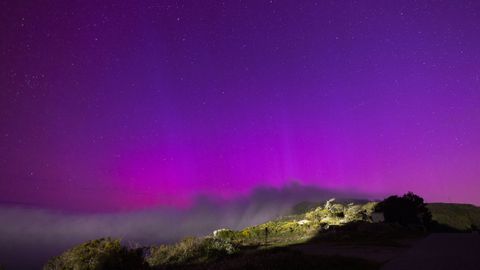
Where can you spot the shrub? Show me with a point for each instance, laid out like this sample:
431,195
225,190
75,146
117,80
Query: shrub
104,253
355,213
317,214
246,233
190,250
409,209
225,234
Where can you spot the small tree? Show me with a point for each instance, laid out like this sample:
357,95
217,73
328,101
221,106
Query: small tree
410,209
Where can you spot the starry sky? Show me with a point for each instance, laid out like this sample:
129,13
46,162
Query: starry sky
124,105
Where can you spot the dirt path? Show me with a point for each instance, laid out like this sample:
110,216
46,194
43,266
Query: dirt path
440,252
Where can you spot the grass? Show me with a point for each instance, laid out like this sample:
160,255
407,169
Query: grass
457,216
191,250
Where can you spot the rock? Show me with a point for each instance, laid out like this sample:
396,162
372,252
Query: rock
303,222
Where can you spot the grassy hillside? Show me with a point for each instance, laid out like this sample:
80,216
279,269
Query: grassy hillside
255,242
458,216
301,227
270,245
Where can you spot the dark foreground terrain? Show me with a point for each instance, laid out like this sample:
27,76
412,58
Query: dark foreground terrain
440,251
437,251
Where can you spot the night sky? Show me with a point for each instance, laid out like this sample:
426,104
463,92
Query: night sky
125,105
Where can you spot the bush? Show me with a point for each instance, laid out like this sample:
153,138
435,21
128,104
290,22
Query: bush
318,214
409,209
190,250
225,234
355,213
104,253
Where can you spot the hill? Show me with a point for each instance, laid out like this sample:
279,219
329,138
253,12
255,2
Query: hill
331,235
264,243
457,216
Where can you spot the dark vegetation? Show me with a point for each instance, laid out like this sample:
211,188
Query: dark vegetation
102,253
190,251
278,244
409,209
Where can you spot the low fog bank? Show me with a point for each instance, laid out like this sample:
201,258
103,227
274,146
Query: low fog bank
28,237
